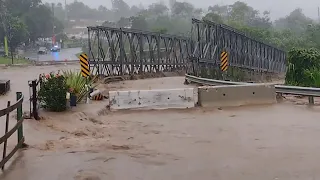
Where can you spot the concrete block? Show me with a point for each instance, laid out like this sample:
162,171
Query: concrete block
152,99
236,95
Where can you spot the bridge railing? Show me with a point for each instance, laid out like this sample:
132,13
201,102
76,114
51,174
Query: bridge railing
8,133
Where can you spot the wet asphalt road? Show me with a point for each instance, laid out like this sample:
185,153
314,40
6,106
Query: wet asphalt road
65,54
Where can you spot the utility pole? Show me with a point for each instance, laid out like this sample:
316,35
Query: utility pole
3,18
53,27
11,47
65,11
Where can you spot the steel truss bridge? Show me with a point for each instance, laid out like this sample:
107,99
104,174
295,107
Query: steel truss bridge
119,51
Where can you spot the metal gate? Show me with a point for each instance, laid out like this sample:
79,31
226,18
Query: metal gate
34,87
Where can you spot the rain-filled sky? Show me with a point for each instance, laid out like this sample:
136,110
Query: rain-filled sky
278,8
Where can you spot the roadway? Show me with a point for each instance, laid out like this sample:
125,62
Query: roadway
69,54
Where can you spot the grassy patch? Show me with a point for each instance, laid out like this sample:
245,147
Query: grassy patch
7,60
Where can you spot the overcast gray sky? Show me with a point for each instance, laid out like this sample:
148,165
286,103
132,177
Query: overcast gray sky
278,8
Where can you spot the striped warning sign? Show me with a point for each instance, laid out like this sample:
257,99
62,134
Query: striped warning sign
84,65
224,61
97,97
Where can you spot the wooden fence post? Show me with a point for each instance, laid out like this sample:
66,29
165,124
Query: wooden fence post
4,153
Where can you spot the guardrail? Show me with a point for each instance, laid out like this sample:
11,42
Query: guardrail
18,127
281,89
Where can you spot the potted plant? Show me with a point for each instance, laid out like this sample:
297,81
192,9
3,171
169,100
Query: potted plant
73,97
75,80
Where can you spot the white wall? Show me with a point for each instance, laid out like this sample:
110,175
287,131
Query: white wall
152,99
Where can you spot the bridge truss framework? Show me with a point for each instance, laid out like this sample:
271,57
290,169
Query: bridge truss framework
210,39
115,51
120,51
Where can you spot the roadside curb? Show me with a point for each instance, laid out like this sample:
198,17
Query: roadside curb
42,63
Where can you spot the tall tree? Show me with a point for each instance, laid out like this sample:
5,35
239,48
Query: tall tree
17,31
139,22
20,7
123,22
78,10
213,17
120,9
37,18
59,12
296,21
182,9
222,11
158,9
40,23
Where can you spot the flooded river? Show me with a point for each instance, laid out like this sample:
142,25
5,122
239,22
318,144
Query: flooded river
273,142
276,142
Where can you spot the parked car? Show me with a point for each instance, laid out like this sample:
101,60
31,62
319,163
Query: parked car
55,49
42,50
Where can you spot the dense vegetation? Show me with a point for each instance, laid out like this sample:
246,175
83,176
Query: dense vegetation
28,20
304,67
294,30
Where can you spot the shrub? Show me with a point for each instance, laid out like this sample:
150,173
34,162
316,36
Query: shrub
52,93
303,67
313,77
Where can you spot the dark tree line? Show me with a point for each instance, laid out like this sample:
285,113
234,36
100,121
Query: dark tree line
31,19
294,30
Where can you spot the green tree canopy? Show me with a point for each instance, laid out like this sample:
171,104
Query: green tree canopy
28,20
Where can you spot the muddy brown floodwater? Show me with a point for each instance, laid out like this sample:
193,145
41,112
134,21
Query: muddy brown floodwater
92,143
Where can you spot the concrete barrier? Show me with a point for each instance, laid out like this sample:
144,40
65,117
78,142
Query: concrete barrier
236,95
152,99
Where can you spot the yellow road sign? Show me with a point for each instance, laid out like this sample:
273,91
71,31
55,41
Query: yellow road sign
224,61
84,65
